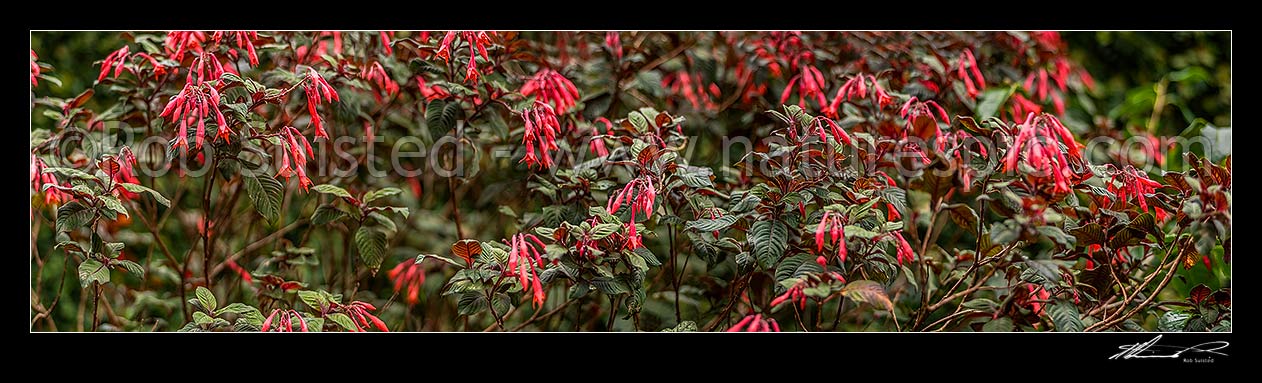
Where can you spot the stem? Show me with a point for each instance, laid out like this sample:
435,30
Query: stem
207,248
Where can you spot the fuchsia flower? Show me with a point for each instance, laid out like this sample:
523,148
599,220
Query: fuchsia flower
360,316
431,92
957,143
856,88
1022,106
541,131
755,323
904,249
640,193
114,60
796,293
974,83
317,88
158,69
294,143
477,41
178,42
35,68
203,63
834,131
698,96
1129,182
597,142
1036,295
244,40
523,259
376,75
410,275
1040,139
551,87
614,42
385,41
52,196
196,102
922,118
810,83
831,229
284,323
891,212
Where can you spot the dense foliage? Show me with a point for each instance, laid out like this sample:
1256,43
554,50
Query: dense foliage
618,181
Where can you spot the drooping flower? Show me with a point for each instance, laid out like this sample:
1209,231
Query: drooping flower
410,275
904,249
285,322
810,84
974,83
856,88
1022,106
431,92
39,179
196,102
541,131
597,141
831,229
385,42
551,87
316,89
294,145
360,316
1039,143
1036,297
244,40
178,42
376,75
1129,182
159,70
755,323
477,40
114,60
204,64
923,118
523,260
690,87
640,194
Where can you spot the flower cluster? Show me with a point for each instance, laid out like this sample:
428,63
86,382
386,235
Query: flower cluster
114,60
244,40
178,42
203,63
477,41
973,80
614,42
360,316
597,141
756,323
856,88
957,144
1039,143
1035,297
39,179
431,92
1128,182
810,83
922,118
639,193
904,249
34,68
797,294
551,87
699,96
294,143
831,229
410,275
385,42
285,322
376,75
196,102
317,88
523,259
541,131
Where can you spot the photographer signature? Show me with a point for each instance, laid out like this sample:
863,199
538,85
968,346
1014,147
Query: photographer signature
1151,349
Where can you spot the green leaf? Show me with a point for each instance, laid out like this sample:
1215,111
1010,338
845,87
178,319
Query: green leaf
869,292
604,230
422,257
114,204
134,188
712,224
133,268
376,194
265,192
333,190
70,172
610,285
201,319
1003,324
372,246
990,101
471,302
769,239
91,270
326,214
207,299
1004,232
1057,235
963,215
685,326
236,308
313,299
343,321
73,215
1064,315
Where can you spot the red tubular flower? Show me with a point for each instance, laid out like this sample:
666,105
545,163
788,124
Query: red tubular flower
114,60
831,229
793,295
1040,139
975,83
52,196
376,75
682,83
477,41
551,87
904,249
409,275
640,193
245,275
158,69
1022,106
285,322
34,68
541,131
597,142
431,92
203,63
294,143
1036,295
523,259
810,83
922,118
361,318
244,40
614,42
385,42
755,323
1129,182
178,42
195,102
856,88
316,89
